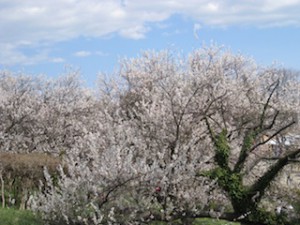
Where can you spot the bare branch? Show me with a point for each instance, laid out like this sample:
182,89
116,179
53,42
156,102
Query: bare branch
262,118
272,136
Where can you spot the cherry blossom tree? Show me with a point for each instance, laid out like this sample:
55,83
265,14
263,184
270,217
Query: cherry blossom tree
168,138
18,104
40,115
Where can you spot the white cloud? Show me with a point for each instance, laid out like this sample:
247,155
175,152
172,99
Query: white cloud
197,27
212,7
174,32
82,54
137,32
35,23
100,53
89,53
10,55
57,60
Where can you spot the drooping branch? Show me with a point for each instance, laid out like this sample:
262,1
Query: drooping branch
105,197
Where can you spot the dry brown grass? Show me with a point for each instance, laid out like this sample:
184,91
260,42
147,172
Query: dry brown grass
28,165
22,173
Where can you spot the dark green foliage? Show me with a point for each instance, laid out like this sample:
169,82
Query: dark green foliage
222,149
247,144
230,182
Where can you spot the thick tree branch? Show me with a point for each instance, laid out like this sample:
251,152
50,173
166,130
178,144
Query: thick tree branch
263,182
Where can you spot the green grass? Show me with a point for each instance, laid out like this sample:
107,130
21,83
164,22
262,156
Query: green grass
207,221
18,217
24,217
202,221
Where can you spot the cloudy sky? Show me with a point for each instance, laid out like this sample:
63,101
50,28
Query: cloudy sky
44,37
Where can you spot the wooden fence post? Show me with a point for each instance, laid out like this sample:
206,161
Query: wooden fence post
2,185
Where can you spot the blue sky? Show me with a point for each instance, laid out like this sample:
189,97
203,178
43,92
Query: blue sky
45,37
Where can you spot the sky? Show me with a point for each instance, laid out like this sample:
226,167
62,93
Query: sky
92,36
